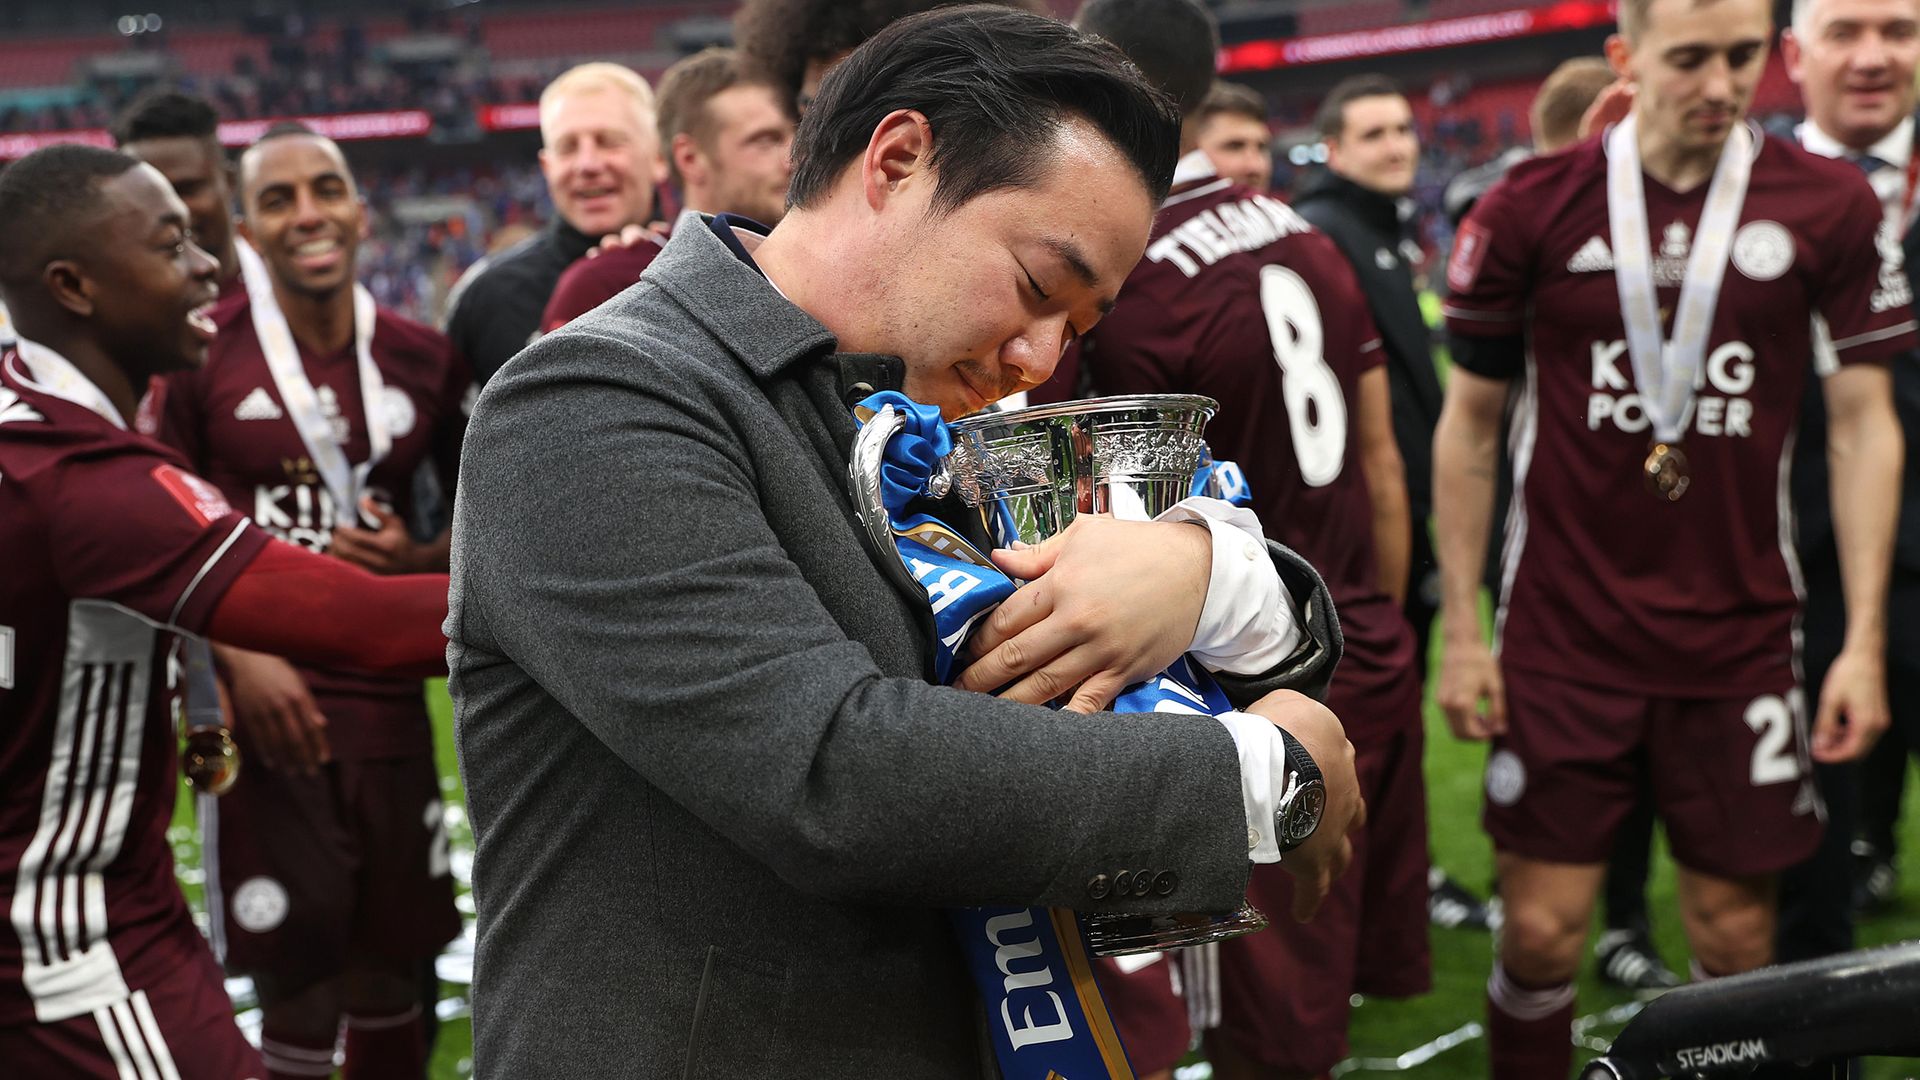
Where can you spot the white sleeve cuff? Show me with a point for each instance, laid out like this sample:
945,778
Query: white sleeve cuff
1247,624
1262,759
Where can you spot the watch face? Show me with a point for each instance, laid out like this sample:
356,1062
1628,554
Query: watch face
1304,816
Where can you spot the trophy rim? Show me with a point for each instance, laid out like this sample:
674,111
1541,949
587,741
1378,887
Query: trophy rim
1086,407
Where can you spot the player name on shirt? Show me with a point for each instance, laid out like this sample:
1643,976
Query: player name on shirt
1225,229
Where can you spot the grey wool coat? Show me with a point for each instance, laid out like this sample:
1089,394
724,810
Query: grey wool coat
718,806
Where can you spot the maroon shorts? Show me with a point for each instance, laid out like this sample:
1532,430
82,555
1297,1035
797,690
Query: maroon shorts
179,1025
1285,992
353,859
1150,1017
1729,776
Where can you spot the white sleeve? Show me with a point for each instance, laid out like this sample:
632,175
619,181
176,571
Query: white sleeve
1247,624
1263,763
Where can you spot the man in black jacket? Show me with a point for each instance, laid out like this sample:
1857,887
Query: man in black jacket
601,155
1372,154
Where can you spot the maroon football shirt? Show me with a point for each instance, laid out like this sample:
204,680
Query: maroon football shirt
110,545
229,421
593,280
1240,299
1604,583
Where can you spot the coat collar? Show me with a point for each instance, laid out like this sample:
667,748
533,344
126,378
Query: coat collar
719,285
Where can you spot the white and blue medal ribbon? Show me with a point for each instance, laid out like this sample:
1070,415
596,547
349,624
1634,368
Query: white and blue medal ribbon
1032,965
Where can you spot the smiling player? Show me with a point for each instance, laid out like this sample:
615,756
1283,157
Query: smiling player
313,415
117,558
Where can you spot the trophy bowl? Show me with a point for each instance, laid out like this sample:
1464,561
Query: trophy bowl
1031,472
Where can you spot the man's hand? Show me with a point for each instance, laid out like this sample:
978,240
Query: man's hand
1611,107
1468,675
1318,863
1107,603
1853,707
390,549
275,712
628,236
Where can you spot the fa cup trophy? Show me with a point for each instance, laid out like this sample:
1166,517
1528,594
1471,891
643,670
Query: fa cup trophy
1029,473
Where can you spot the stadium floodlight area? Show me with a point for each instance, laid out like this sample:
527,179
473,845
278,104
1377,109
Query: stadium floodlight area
1858,1004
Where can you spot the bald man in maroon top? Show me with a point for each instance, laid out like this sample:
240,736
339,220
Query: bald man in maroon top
1647,632
121,559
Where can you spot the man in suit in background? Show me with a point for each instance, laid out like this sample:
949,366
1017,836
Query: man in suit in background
1855,62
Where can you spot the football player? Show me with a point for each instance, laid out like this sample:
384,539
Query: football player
1651,301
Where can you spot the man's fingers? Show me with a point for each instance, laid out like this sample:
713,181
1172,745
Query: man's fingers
1028,644
1027,607
1308,892
372,508
1027,563
1097,693
1827,734
313,730
1053,679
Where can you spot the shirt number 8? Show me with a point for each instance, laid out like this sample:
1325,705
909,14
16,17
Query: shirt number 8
1316,410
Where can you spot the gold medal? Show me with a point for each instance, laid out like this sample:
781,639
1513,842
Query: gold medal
210,760
1666,472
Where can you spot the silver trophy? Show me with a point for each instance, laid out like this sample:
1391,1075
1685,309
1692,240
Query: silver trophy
1030,472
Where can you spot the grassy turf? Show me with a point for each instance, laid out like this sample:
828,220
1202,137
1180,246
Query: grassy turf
1382,1030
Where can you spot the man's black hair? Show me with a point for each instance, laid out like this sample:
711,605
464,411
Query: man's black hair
778,38
46,199
1174,42
166,114
995,85
1331,121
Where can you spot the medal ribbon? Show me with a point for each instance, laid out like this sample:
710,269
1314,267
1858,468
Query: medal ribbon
1664,371
344,479
1031,965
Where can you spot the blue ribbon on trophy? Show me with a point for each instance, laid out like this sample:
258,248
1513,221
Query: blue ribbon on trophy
1031,964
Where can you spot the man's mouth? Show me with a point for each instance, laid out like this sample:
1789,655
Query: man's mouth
318,254
200,321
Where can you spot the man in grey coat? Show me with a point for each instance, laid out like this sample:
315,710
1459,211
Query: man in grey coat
718,804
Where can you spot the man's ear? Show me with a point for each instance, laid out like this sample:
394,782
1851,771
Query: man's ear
1619,53
1790,54
897,156
69,286
686,160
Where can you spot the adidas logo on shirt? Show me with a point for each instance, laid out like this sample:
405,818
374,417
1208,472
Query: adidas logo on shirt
1593,257
258,405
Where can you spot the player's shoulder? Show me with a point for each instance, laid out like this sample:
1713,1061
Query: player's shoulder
492,276
1776,156
1785,167
398,333
42,434
611,270
1546,176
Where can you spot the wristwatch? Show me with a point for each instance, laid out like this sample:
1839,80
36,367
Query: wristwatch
1297,812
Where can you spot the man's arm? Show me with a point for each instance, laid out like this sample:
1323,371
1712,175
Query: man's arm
1865,451
1466,450
315,610
1386,484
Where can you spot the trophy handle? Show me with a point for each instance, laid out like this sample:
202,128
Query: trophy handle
863,483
